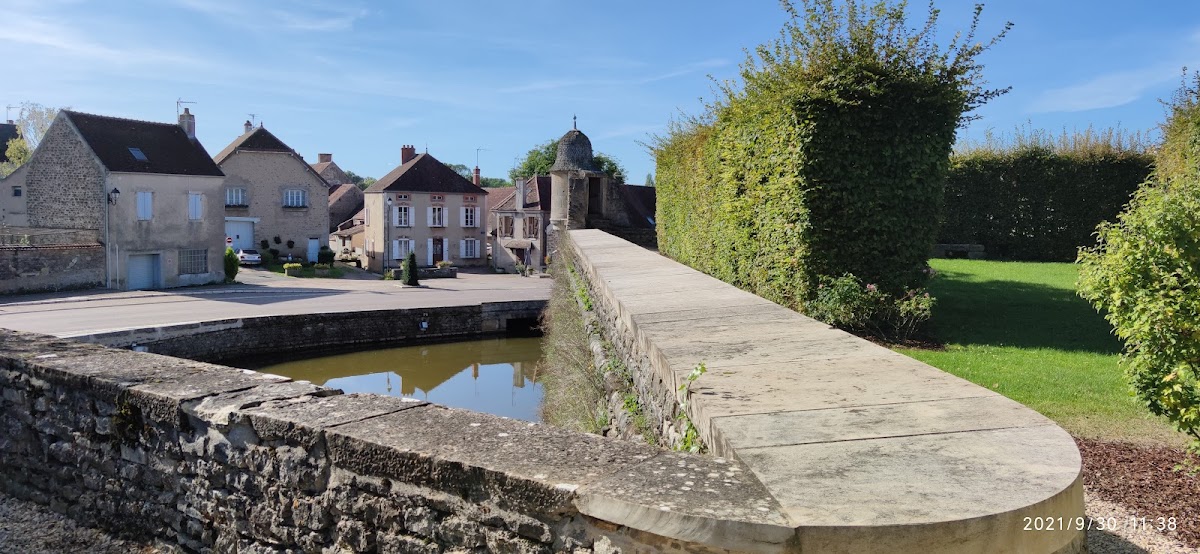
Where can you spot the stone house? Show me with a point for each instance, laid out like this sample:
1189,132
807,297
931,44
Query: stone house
147,191
345,200
425,207
271,194
329,170
518,225
347,239
12,198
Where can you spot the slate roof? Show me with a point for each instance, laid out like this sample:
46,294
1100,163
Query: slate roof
258,140
8,131
641,203
424,173
166,147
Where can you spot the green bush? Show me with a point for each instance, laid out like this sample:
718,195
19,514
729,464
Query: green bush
410,270
829,160
1036,198
325,256
231,264
1144,274
847,303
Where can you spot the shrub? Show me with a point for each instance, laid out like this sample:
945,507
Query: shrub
231,264
263,244
1143,274
325,256
845,302
410,270
274,253
293,266
277,240
444,264
291,244
829,160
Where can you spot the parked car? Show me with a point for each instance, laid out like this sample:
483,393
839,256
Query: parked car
247,256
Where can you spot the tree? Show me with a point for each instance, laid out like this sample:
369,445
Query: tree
231,264
354,178
462,170
649,179
410,270
540,158
32,122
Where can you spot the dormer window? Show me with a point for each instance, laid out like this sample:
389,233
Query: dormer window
138,155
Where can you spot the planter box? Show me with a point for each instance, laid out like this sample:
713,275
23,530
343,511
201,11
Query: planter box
436,273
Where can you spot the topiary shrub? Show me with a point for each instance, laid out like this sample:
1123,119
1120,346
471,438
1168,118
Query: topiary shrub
232,264
410,270
263,244
325,256
291,244
1143,274
828,160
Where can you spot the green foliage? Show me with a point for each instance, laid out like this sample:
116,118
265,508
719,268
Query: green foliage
846,303
231,264
829,160
574,394
649,179
18,153
293,266
1144,274
410,270
1021,197
325,256
444,264
690,442
540,158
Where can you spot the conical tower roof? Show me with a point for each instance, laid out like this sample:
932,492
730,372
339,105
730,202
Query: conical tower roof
574,153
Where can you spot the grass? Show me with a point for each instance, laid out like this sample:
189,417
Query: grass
1019,329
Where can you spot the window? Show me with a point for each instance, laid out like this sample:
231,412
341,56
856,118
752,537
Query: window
295,198
402,216
235,197
401,197
195,206
531,227
436,198
436,218
401,248
145,205
506,226
367,216
17,190
193,261
469,199
138,155
469,248
470,216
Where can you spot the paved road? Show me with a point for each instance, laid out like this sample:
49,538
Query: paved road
257,293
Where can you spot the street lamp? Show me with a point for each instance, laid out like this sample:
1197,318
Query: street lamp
114,195
387,228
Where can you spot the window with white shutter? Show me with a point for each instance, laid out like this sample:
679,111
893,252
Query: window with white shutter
401,216
469,216
145,205
469,248
437,216
195,206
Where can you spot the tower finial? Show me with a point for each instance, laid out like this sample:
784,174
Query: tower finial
574,122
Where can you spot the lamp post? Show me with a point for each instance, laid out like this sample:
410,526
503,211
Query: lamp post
113,195
387,232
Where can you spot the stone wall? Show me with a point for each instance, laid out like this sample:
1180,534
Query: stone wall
64,185
215,458
25,269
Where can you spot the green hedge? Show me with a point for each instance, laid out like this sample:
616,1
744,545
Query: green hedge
828,161
1037,202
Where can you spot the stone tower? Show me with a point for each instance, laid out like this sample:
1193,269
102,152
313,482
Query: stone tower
572,177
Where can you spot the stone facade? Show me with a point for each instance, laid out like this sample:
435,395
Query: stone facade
50,268
266,177
345,200
65,181
218,459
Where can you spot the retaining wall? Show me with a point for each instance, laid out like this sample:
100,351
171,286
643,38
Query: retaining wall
26,269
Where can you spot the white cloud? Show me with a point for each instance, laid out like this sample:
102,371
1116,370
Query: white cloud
555,84
1105,91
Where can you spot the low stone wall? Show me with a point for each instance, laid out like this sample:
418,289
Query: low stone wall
226,339
25,269
215,458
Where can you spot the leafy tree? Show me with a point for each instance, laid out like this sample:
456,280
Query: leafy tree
32,122
410,270
540,158
367,182
649,179
231,264
492,182
355,178
462,170
1142,273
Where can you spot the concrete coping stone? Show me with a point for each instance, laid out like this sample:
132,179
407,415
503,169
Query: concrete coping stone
862,449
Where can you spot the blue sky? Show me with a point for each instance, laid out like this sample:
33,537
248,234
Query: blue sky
360,79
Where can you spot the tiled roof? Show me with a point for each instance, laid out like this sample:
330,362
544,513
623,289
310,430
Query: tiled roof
8,131
259,140
338,191
164,147
537,195
424,173
319,167
497,196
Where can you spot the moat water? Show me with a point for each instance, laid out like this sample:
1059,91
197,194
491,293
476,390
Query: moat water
496,376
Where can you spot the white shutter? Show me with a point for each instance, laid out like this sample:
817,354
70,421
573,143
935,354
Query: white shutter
462,249
429,251
395,249
476,210
462,216
412,247
395,216
194,207
429,219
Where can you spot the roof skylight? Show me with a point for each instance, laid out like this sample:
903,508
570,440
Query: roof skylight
138,155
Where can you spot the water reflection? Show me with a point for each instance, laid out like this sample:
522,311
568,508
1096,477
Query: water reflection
494,376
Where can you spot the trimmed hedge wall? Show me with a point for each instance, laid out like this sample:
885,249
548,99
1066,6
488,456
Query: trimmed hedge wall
1036,203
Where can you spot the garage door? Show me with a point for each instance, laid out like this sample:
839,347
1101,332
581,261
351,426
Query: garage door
143,272
242,233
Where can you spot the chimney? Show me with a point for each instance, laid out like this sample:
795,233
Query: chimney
324,158
475,179
188,122
521,194
248,126
407,152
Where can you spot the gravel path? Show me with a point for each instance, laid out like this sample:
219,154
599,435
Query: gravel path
29,528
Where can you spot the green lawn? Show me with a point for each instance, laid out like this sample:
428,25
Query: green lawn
1019,329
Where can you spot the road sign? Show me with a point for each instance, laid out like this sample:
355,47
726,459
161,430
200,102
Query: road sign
228,240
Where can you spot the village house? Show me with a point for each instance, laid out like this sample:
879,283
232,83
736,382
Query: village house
273,199
329,170
347,240
145,196
423,206
518,225
345,200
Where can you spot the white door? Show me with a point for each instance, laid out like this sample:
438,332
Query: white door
242,233
314,245
143,272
